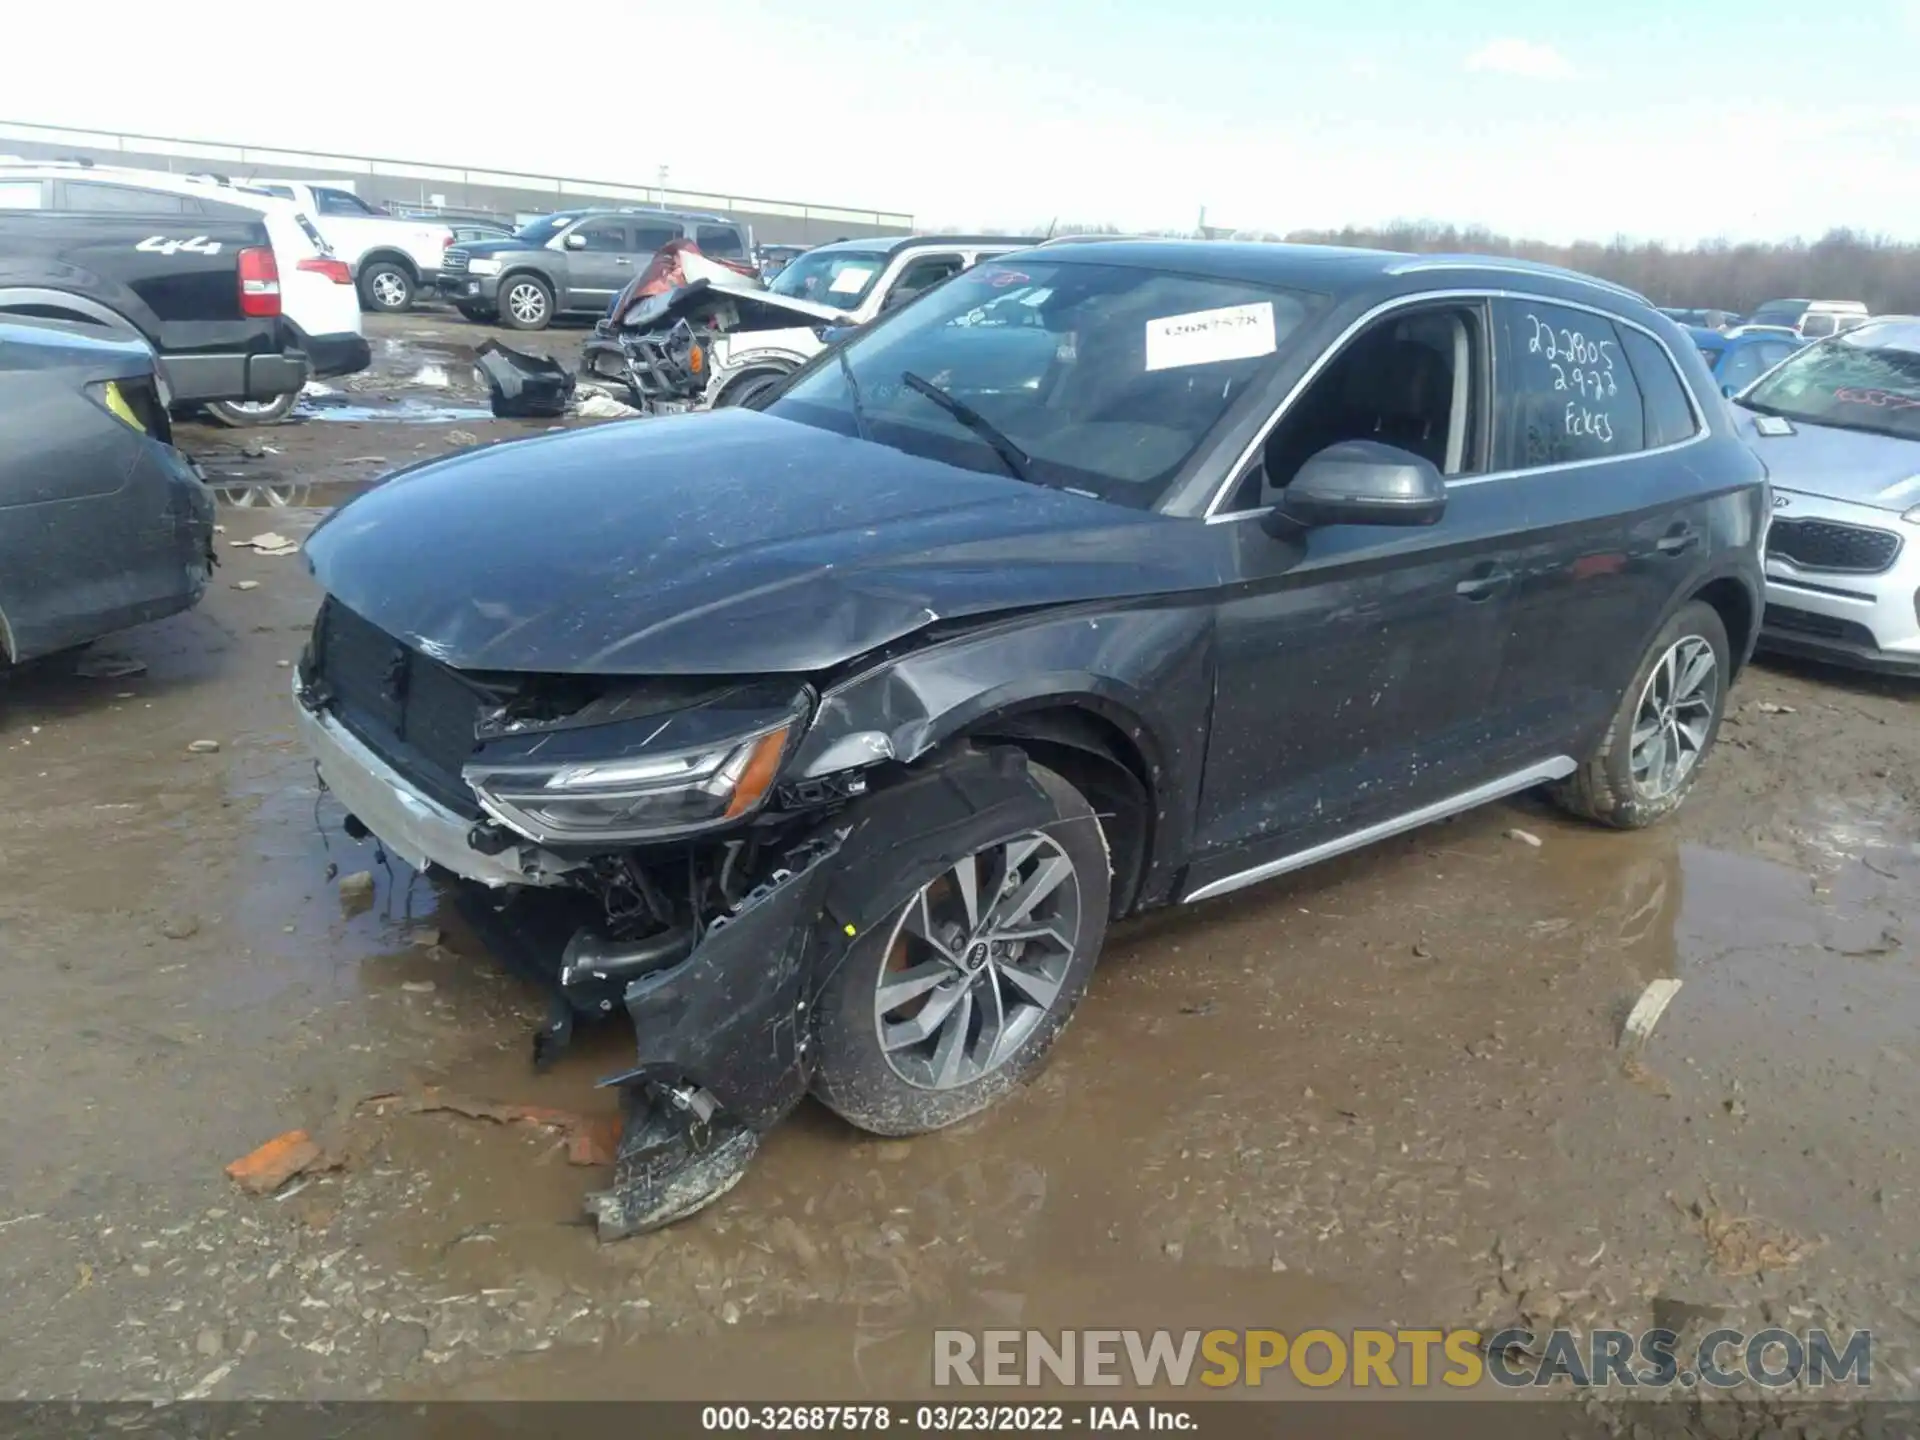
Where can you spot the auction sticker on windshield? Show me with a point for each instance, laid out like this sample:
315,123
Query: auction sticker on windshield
850,279
1234,332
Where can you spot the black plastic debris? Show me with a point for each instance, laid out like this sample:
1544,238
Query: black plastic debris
523,387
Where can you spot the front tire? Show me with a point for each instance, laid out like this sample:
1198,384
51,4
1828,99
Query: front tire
959,994
526,303
1650,758
386,287
749,387
239,414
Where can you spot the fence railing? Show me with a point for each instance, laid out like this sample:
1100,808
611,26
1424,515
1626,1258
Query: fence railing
261,160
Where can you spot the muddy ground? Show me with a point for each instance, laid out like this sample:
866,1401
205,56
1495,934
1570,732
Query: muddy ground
1386,1091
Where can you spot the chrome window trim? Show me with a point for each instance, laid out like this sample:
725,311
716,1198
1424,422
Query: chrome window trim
1701,428
1423,265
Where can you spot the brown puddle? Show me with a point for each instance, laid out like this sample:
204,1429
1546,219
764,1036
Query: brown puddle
1323,1103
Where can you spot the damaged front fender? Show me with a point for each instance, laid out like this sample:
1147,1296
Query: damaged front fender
730,1019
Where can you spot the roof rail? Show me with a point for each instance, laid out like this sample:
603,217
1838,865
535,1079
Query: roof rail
1418,263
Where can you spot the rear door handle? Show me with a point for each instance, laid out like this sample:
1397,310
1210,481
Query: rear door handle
1486,581
621,260
1678,540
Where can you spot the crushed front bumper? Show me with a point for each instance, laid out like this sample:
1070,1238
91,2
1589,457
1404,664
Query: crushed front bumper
658,369
419,830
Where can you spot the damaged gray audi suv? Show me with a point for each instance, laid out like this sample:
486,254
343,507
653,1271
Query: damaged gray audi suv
824,737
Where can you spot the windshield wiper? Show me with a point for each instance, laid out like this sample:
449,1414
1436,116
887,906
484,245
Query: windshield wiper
853,394
1018,462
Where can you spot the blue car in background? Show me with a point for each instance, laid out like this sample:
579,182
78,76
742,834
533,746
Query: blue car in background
1742,356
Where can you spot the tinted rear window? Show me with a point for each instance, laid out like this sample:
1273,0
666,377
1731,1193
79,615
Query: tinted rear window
1663,395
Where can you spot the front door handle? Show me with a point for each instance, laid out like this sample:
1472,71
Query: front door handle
1486,581
1678,540
621,260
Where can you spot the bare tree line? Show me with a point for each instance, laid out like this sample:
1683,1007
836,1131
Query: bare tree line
1722,274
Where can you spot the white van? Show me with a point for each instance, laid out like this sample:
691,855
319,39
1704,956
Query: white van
1811,319
317,296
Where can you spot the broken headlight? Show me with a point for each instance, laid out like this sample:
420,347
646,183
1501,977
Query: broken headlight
636,798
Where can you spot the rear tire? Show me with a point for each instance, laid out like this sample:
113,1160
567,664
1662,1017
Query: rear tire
986,1011
386,287
526,303
239,414
1651,756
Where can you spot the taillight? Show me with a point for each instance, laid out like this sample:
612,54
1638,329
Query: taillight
447,241
334,270
259,282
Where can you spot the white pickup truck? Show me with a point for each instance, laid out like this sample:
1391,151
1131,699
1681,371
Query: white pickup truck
391,258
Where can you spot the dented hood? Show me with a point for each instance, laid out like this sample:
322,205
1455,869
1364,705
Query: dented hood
720,544
759,309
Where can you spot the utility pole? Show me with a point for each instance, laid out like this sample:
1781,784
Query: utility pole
660,187
1201,231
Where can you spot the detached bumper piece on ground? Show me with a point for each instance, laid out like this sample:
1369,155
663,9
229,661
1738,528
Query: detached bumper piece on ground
523,387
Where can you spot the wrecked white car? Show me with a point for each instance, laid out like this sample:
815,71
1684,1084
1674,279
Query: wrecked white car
721,339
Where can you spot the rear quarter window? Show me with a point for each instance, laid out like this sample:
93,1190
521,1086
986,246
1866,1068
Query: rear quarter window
1564,390
1664,406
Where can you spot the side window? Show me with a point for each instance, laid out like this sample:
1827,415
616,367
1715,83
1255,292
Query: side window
1565,392
1743,367
19,194
91,199
1415,380
1772,352
1663,394
648,238
922,275
342,202
283,191
1815,326
603,236
721,242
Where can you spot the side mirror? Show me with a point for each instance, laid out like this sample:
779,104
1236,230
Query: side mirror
1362,482
575,241
897,297
1729,391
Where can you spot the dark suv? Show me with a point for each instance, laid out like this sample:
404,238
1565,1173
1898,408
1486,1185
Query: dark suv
575,262
826,735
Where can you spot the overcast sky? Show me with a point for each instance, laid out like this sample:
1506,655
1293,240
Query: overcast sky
1644,117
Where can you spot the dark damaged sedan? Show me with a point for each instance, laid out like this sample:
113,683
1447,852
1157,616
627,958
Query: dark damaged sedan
828,735
103,524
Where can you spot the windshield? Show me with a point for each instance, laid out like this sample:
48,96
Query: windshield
544,229
1867,378
1100,379
840,278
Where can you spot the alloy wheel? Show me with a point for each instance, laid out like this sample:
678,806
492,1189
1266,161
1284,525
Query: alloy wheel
526,303
389,290
1674,717
977,961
